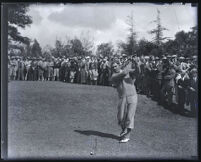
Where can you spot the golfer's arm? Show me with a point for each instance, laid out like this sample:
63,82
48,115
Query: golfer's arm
118,76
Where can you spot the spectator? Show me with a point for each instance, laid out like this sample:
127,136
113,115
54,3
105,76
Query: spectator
193,91
168,83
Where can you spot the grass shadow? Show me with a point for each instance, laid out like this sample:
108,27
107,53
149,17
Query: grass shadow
96,133
174,109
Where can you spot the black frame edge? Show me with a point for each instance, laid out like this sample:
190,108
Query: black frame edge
4,82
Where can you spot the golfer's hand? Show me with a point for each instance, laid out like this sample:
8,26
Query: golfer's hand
126,71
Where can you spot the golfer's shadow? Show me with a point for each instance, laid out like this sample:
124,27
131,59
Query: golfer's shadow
96,133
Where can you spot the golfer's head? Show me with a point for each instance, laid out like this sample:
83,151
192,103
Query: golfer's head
116,67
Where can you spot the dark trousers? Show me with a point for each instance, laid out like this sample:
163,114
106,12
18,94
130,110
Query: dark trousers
94,82
20,74
194,102
181,99
35,74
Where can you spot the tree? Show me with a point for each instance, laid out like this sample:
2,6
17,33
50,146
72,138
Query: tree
187,42
67,49
17,18
105,49
76,48
193,40
15,49
87,42
158,31
46,52
145,47
47,55
122,48
59,50
158,35
184,44
171,47
36,50
28,49
131,46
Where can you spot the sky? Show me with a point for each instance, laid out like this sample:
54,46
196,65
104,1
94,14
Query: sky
105,22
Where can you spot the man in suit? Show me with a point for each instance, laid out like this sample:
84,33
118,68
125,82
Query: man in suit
147,78
40,69
21,67
168,83
159,69
57,66
182,84
193,91
35,69
123,80
13,68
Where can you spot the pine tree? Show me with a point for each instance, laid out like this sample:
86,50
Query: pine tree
17,17
158,31
59,49
132,43
130,46
105,49
36,50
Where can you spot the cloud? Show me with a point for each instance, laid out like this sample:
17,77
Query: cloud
36,17
95,17
105,22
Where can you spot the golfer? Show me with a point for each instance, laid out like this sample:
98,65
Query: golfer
123,80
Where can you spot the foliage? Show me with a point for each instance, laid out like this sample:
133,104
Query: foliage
17,18
130,46
36,50
76,47
123,48
46,52
87,42
73,47
158,31
184,44
170,47
145,48
105,50
58,51
158,36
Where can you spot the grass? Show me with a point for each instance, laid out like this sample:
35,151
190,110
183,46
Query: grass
60,120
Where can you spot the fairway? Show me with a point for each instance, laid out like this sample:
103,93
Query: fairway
62,120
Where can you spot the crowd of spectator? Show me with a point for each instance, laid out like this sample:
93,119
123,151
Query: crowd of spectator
166,79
